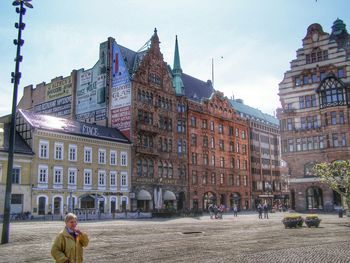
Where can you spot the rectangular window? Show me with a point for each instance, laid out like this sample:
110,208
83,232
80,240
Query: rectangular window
72,153
194,177
321,142
58,175
87,154
313,100
221,145
204,124
16,175
101,178
243,135
343,139
213,179
341,117
43,174
315,142
123,159
113,179
101,156
193,139
335,140
193,121
289,124
237,132
238,181
297,81
124,179
213,160
298,144
113,157
58,151
334,118
306,80
72,176
245,181
301,102
230,179
205,159
212,142
205,178
222,179
212,127
341,73
290,145
221,129
314,78
87,177
43,149
222,162
308,101
205,141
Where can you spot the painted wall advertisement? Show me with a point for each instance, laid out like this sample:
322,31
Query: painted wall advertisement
91,90
58,98
121,93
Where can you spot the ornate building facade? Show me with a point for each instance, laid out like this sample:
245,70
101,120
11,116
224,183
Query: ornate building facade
314,118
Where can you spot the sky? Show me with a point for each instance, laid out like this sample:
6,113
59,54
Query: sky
250,42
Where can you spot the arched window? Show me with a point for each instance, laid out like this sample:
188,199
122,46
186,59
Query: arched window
150,168
139,167
170,170
145,167
314,198
160,169
332,92
165,169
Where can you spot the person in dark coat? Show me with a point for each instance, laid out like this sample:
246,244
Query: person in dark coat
260,210
266,211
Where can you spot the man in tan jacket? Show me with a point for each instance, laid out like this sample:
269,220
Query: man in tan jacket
69,243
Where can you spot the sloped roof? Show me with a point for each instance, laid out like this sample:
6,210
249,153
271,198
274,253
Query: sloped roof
21,147
250,112
62,125
196,89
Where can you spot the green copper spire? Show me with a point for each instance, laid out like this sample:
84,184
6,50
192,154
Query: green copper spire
177,72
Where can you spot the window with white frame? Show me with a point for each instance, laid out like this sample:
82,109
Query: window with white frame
58,175
58,151
16,175
72,176
123,179
101,156
87,176
113,179
72,153
113,157
123,159
43,174
101,178
87,155
43,149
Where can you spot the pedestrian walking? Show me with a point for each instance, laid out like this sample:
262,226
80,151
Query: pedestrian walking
266,211
260,210
235,210
69,243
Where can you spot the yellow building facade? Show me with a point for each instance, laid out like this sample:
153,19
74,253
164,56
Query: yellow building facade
76,167
21,184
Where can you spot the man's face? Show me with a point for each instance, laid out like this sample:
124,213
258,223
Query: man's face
72,224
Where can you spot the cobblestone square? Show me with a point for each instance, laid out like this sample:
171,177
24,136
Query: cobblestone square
241,239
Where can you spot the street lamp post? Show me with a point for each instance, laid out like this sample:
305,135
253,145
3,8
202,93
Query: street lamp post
21,10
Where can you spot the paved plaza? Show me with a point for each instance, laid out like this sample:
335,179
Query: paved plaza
241,239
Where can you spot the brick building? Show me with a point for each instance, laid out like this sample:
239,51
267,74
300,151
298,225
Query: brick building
218,153
314,118
265,155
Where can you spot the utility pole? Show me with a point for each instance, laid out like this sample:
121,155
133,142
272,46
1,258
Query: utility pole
15,80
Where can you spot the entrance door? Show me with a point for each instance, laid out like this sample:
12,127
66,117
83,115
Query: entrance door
113,206
57,206
42,203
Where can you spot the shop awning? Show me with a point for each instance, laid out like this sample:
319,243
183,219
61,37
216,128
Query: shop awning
144,195
168,195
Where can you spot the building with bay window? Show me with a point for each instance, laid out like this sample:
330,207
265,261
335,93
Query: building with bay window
314,118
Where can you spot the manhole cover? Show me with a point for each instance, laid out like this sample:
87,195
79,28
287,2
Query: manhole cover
192,232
